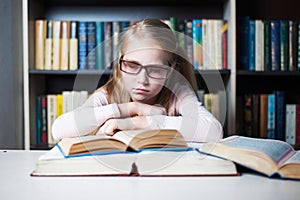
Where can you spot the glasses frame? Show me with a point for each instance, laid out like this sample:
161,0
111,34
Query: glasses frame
166,67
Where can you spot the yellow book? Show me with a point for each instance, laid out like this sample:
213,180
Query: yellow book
64,51
56,45
59,105
40,35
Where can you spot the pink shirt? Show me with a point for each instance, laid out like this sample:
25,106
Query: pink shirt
185,114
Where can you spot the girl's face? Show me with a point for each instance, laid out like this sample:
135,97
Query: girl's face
141,87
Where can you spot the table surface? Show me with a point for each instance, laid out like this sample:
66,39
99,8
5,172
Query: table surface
16,183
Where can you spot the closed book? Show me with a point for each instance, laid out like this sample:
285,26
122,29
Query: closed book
263,105
82,45
99,45
280,115
284,45
91,45
275,44
259,42
252,45
116,30
189,39
197,43
290,124
73,53
243,36
108,53
56,45
48,46
181,34
267,45
51,116
40,35
297,126
44,134
293,43
64,45
271,116
224,33
247,115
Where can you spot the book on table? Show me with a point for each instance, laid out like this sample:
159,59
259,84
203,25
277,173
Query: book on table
268,156
141,153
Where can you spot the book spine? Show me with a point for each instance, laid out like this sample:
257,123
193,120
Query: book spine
91,45
251,45
56,45
99,45
108,45
73,65
64,52
224,33
115,40
40,35
244,42
280,115
247,118
189,39
267,45
180,34
275,45
293,42
51,116
197,43
290,123
38,119
297,139
259,45
271,116
59,105
82,45
48,46
263,115
44,133
284,45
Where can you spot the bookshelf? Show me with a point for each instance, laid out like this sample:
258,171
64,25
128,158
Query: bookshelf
260,82
38,82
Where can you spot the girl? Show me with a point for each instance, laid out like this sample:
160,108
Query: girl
153,87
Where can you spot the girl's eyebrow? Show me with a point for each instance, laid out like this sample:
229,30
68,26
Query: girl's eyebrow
132,61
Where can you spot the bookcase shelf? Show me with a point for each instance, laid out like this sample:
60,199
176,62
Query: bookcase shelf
41,82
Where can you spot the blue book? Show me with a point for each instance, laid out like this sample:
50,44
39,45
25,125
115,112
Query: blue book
82,45
271,116
244,29
91,45
99,45
251,45
267,46
280,115
275,44
197,43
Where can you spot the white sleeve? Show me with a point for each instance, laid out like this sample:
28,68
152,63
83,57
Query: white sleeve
86,118
192,120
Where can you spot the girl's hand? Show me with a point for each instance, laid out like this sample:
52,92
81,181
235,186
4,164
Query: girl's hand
140,109
112,125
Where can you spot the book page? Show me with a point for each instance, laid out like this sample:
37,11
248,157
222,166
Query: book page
278,151
126,136
294,159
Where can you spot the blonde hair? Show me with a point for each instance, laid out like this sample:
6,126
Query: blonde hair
158,32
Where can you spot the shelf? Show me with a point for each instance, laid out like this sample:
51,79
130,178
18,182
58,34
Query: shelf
70,72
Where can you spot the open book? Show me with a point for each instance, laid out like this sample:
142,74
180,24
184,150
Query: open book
130,140
142,163
267,156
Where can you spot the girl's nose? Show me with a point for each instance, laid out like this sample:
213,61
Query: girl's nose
143,77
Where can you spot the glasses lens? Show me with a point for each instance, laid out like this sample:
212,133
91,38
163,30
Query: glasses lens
130,67
159,72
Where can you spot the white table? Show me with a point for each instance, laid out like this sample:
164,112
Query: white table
16,183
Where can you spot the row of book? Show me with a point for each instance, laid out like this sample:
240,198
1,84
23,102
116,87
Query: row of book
73,45
269,116
51,106
268,45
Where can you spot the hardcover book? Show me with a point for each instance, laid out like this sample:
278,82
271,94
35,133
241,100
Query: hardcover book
144,163
267,156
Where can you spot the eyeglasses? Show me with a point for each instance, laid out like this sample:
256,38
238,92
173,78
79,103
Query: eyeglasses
153,71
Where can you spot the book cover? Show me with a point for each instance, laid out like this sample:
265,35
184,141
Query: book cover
82,45
56,45
40,35
290,124
284,45
99,45
271,116
275,44
197,43
91,45
48,46
73,53
64,44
